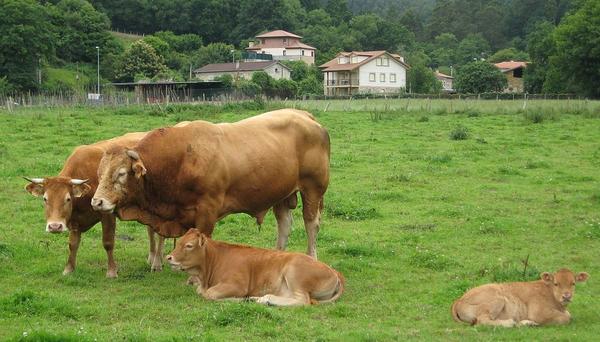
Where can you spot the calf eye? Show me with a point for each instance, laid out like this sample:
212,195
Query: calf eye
68,199
555,284
189,245
45,199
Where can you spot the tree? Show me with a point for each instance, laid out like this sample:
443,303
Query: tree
578,49
540,46
422,80
257,16
479,77
310,86
263,80
139,59
473,47
283,88
26,37
213,53
510,54
444,50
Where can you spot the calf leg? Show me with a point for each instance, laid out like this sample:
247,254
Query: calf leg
74,239
221,291
108,241
311,202
486,320
298,300
283,215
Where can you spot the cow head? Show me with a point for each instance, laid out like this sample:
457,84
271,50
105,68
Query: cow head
562,284
118,175
58,194
189,252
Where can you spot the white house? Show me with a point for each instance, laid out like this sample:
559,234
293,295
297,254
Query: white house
446,81
283,45
242,70
364,72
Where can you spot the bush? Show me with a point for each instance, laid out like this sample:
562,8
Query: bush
248,88
459,133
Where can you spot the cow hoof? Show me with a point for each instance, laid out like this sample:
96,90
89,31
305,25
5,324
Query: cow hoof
527,322
67,271
156,268
192,280
111,274
150,259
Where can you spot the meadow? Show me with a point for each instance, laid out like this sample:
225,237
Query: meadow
427,199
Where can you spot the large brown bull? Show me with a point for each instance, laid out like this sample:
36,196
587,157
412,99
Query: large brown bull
67,202
192,176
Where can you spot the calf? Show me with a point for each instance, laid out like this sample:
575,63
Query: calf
228,271
525,303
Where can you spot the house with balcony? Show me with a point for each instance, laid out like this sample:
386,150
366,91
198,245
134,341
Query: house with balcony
283,46
364,72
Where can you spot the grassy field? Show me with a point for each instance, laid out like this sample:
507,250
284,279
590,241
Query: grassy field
423,204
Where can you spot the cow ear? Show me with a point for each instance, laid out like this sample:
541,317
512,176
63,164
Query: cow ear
81,189
201,240
137,166
547,277
36,189
583,276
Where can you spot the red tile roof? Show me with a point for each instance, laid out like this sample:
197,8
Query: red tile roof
440,75
512,65
292,45
333,64
278,33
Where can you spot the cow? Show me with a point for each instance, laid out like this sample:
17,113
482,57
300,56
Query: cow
67,202
538,302
226,271
181,177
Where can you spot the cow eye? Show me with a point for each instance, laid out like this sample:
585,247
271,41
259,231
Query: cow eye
555,284
189,245
45,199
68,199
122,173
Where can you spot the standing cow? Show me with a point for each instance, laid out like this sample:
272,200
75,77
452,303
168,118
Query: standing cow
181,177
67,202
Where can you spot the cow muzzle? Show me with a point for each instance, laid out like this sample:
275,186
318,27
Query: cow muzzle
55,227
174,264
102,204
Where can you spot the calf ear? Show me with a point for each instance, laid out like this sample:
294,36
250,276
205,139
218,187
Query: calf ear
583,276
201,240
81,189
36,189
547,277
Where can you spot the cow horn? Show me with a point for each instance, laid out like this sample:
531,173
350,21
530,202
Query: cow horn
133,154
35,180
78,181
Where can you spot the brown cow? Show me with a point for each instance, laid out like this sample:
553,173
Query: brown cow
67,202
192,176
227,271
525,303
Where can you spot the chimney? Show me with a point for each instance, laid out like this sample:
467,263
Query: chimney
402,59
250,44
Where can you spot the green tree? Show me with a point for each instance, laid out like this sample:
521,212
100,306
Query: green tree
139,59
257,16
509,54
473,47
263,80
299,70
283,88
479,77
422,80
213,53
540,46
444,50
310,86
80,28
226,79
26,37
578,49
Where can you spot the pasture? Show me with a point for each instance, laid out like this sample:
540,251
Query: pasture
427,199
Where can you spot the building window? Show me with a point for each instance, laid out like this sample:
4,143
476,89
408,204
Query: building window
378,63
312,53
393,78
276,70
302,52
284,52
284,40
372,77
385,62
382,77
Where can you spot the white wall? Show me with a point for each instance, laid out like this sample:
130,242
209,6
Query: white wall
277,71
393,68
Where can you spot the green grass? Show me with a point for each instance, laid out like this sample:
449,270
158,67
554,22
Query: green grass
412,219
125,39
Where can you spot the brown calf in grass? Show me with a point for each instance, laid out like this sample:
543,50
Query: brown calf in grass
67,202
516,304
228,271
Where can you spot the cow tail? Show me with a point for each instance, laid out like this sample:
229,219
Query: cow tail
454,313
338,290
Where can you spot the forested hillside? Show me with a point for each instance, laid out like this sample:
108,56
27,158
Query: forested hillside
184,34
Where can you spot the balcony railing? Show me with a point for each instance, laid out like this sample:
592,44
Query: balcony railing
343,82
257,56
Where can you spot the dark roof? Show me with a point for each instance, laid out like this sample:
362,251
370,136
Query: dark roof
160,83
241,66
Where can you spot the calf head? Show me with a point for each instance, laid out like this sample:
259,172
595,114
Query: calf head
189,252
119,173
58,194
562,284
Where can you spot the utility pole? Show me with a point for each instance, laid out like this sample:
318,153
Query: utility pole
98,59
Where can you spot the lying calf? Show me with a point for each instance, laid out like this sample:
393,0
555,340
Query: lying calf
227,271
526,303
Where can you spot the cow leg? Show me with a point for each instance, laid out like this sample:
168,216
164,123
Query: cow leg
108,241
486,320
311,202
152,250
158,256
221,291
270,299
283,215
74,239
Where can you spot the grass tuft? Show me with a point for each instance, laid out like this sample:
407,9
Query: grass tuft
459,133
432,260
